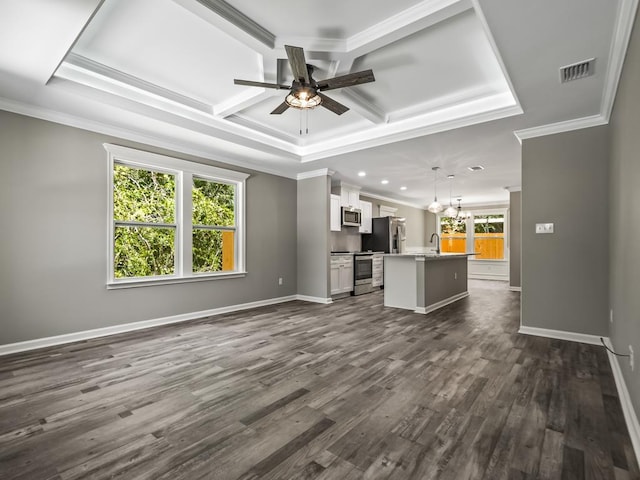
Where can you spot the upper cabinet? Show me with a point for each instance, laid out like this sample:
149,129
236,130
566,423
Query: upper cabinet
336,223
349,195
367,213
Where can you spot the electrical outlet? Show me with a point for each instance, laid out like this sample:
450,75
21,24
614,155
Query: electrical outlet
631,357
611,315
280,281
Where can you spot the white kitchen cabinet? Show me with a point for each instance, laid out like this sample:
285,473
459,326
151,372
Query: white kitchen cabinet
336,221
377,271
349,196
367,213
341,274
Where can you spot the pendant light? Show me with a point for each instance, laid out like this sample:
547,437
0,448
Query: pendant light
460,215
451,210
435,206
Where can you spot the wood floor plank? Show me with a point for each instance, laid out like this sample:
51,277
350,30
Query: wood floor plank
350,390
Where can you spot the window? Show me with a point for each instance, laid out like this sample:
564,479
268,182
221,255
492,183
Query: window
453,235
172,220
481,232
488,237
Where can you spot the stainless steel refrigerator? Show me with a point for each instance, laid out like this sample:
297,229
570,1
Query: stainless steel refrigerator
388,235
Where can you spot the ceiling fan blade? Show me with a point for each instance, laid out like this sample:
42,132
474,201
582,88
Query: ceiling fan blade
348,80
297,62
331,104
280,108
249,83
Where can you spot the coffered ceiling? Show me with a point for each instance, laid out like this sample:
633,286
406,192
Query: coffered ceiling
454,80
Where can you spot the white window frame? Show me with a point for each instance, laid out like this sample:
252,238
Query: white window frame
184,172
471,214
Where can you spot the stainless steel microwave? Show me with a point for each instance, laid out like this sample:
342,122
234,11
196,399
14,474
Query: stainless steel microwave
351,217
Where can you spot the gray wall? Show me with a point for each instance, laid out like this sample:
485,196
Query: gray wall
420,223
53,264
444,278
314,215
624,216
565,274
515,237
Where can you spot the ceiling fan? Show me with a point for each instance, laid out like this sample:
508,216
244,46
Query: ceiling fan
305,92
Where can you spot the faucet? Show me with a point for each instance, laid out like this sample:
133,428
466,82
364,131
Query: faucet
437,242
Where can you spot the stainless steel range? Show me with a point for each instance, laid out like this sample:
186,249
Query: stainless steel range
362,273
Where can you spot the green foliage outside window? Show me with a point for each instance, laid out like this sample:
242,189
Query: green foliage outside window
213,206
449,225
489,224
147,197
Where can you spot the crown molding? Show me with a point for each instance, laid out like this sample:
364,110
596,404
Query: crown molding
621,35
458,116
392,200
76,64
560,127
323,172
183,147
494,47
433,10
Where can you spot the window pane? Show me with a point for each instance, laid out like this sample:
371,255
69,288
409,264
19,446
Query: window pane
453,238
143,251
143,195
213,251
213,203
489,224
489,246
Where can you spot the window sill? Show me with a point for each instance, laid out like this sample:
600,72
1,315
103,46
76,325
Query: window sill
148,282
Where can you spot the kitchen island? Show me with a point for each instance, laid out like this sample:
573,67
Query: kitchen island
424,282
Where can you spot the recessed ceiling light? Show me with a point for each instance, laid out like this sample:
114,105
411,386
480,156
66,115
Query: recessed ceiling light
384,182
403,188
477,168
362,174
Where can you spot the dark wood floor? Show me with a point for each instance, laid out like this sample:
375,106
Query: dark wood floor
346,391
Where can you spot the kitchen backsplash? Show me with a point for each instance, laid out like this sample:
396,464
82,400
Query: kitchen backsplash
348,239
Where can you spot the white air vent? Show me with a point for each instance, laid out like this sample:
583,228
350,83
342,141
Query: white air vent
577,70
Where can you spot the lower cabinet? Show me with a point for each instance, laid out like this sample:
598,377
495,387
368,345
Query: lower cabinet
341,274
377,271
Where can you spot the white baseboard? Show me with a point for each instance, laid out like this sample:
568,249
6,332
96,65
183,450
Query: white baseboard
630,416
307,298
561,335
130,327
488,276
515,289
441,303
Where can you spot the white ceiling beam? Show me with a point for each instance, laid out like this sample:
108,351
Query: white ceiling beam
361,105
233,22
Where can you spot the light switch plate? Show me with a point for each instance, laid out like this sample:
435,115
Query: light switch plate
544,227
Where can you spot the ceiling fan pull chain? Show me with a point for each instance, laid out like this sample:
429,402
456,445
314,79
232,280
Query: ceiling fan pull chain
300,122
306,121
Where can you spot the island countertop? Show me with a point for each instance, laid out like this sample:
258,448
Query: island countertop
430,256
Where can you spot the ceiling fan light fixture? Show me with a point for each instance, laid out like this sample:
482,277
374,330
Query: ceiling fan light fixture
303,98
